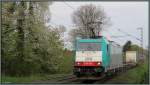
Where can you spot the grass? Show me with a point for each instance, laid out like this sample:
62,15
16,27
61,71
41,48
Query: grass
8,79
136,75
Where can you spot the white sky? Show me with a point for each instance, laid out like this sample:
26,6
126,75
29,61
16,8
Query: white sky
127,16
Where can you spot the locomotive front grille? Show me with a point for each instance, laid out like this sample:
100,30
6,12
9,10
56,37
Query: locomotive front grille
89,69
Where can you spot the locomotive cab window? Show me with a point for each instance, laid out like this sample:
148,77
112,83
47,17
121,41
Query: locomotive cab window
89,47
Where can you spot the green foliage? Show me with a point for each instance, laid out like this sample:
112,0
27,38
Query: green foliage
131,47
28,46
136,75
30,79
8,79
66,62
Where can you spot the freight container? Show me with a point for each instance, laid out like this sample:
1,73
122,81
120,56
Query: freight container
131,57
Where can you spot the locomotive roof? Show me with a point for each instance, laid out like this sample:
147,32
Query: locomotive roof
98,39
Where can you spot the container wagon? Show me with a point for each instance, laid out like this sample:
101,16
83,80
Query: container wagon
132,58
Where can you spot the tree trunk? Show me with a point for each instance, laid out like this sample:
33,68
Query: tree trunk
20,40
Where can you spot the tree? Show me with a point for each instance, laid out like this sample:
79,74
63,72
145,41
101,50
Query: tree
28,46
60,30
89,20
127,46
8,36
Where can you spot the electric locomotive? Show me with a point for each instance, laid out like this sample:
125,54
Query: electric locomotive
96,56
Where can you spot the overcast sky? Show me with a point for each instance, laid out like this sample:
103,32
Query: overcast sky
127,16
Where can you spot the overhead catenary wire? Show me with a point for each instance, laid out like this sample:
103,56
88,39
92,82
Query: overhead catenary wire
110,36
69,5
121,37
118,29
129,35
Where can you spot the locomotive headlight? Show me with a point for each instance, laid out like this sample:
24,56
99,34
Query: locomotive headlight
78,63
98,63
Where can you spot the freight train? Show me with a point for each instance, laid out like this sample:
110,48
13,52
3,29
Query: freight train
96,56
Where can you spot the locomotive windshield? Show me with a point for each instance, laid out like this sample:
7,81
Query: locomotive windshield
89,47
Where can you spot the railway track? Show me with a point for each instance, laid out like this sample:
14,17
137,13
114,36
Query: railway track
105,78
72,79
58,79
67,79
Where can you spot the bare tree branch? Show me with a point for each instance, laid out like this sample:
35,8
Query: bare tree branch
89,20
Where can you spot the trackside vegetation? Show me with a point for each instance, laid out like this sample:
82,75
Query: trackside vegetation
30,49
136,75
